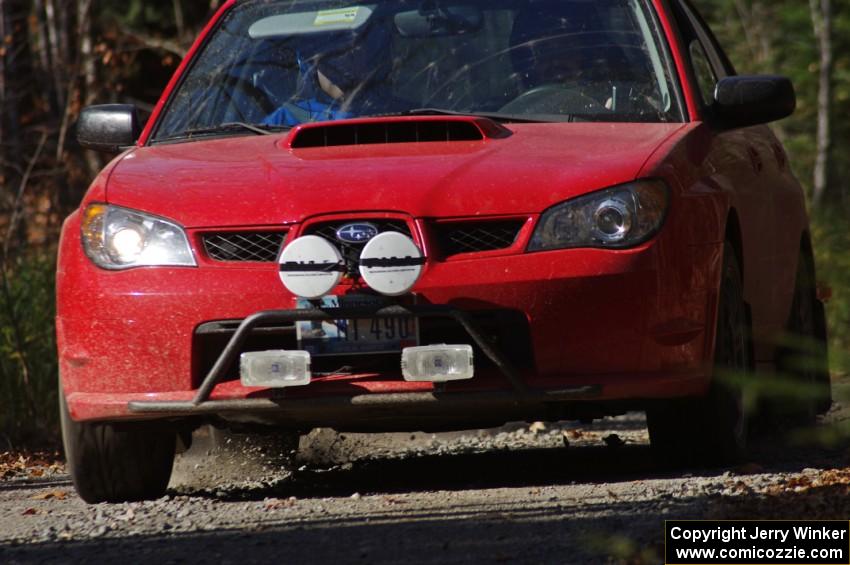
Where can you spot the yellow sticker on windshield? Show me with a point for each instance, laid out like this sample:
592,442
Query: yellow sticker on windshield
336,17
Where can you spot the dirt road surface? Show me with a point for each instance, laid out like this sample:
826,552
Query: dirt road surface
524,493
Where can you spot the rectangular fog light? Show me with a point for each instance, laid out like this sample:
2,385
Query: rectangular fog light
437,363
275,369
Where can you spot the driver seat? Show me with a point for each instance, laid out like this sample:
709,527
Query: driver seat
565,41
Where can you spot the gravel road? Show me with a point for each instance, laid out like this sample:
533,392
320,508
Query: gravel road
559,493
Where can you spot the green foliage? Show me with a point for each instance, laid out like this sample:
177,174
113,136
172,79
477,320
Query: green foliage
153,16
775,37
53,65
763,36
831,237
28,366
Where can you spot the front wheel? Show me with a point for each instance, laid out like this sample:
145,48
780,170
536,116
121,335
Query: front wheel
712,429
116,462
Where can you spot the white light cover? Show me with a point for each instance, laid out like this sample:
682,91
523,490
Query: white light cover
275,369
437,363
389,279
310,251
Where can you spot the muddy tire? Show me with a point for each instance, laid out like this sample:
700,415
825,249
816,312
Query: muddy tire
712,429
116,462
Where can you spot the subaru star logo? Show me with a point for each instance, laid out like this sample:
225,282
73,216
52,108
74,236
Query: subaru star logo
357,233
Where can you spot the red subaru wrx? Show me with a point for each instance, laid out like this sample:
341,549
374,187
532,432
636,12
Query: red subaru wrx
431,215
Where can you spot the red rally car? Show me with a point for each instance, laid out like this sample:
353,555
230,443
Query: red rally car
432,215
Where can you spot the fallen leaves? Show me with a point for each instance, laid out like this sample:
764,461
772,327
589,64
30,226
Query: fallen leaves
51,495
836,479
817,495
276,503
30,465
537,427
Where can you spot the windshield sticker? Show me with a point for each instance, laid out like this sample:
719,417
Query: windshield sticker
302,23
336,17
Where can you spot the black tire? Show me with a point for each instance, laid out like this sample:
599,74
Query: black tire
804,359
712,429
116,462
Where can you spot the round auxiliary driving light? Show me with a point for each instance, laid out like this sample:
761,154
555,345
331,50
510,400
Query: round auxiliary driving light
613,220
310,267
391,263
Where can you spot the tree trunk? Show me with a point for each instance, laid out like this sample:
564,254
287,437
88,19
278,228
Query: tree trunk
821,11
89,74
55,58
179,21
12,68
3,181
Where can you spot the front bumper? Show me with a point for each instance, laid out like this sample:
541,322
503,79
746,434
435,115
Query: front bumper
350,410
236,345
602,326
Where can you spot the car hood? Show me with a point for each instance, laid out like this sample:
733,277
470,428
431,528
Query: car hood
243,181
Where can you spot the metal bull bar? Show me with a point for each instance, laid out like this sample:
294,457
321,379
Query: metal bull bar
237,341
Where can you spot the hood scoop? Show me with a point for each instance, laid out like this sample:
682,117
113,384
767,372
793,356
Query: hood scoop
383,131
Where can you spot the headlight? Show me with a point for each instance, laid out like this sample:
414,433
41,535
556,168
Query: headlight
118,238
619,217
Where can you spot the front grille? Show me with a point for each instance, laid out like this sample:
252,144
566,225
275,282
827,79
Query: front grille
244,246
472,237
351,251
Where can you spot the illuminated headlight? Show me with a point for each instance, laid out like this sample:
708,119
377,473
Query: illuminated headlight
119,238
618,217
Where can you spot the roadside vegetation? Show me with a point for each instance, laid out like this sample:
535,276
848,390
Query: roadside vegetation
56,59
831,235
27,352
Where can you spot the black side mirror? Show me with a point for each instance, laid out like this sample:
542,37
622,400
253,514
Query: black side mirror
108,127
742,101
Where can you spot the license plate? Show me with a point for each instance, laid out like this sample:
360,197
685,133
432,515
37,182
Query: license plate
358,336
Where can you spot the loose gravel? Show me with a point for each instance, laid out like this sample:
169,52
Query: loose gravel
550,493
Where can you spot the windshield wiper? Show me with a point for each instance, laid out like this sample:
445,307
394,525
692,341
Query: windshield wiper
227,127
495,116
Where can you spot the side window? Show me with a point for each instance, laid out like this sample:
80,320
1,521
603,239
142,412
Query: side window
708,64
705,76
722,66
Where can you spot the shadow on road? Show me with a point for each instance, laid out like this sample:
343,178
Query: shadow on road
471,536
559,526
529,467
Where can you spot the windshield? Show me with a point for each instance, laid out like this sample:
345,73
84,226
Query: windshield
278,64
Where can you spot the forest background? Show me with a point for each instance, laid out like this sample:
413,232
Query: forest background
57,56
